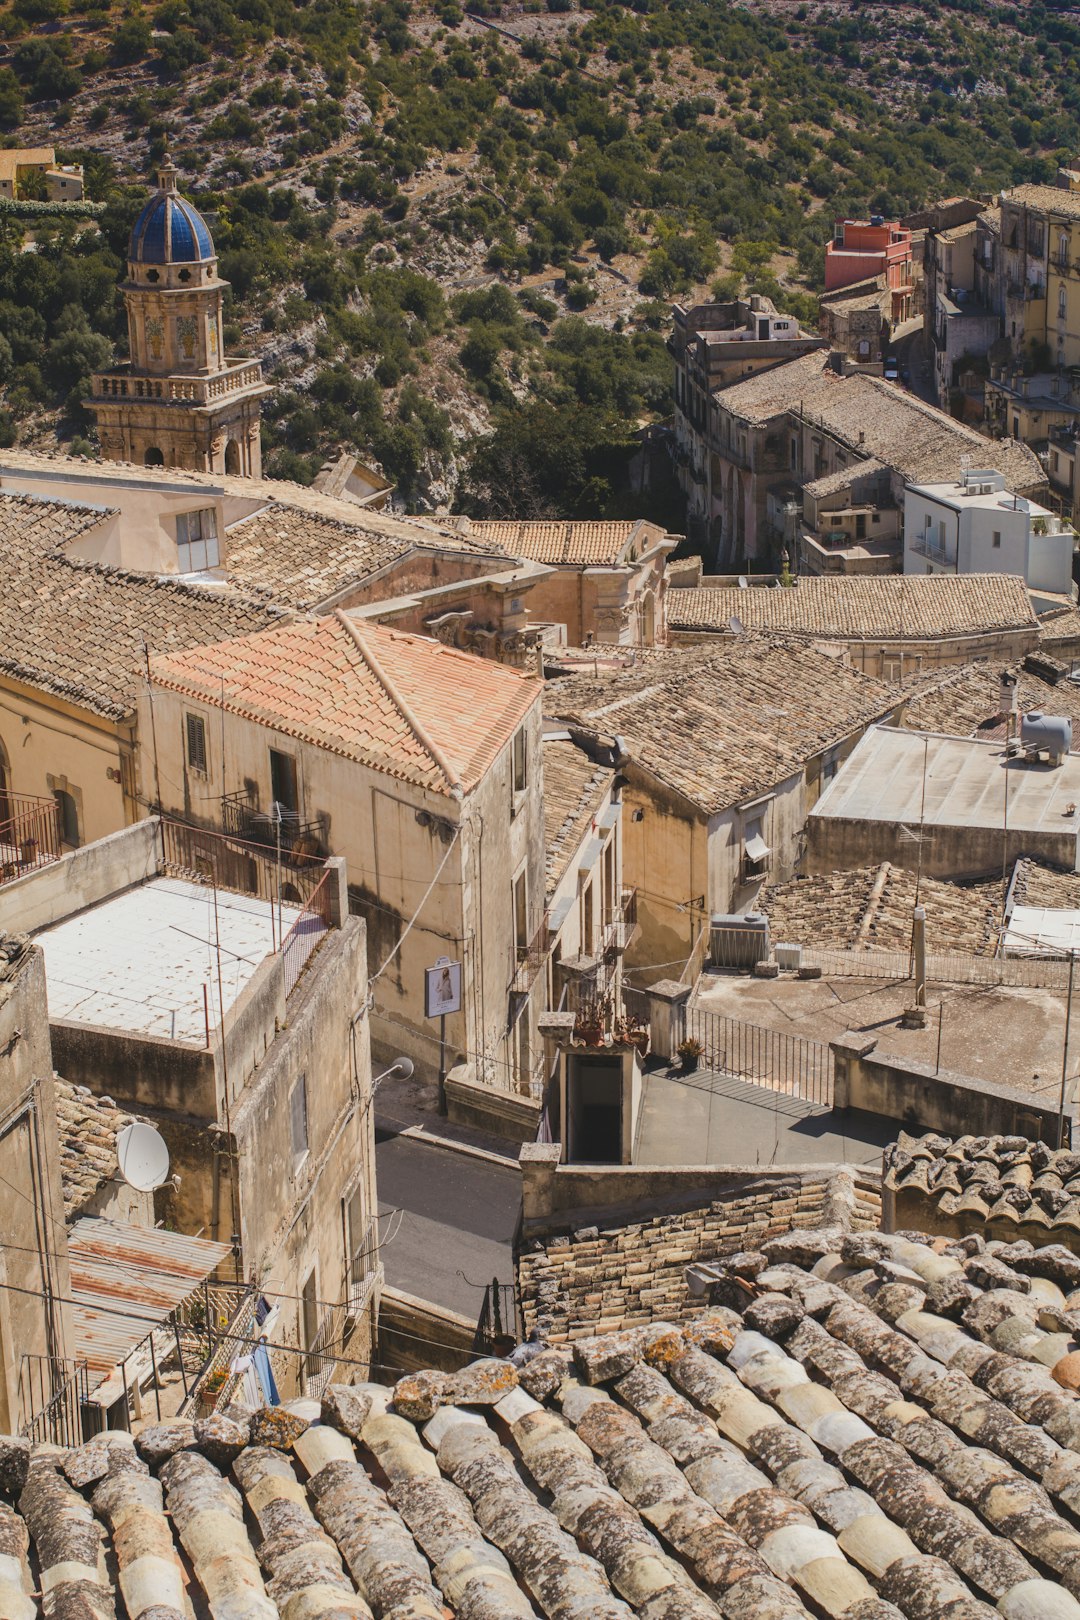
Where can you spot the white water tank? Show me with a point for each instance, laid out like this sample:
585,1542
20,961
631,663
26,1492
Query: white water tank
1047,733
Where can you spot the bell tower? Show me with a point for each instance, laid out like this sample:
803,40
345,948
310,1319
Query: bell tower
179,401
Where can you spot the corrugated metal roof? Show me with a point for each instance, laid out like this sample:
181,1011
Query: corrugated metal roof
125,1280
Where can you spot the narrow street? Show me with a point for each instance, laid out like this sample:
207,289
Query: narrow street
446,1220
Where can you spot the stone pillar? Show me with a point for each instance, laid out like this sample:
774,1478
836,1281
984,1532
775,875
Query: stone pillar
666,1004
556,1030
848,1052
539,1163
338,886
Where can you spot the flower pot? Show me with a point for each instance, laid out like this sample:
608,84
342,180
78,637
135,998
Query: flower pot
689,1064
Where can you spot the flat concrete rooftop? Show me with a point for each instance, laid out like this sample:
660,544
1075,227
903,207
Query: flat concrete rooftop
140,960
1010,1036
966,781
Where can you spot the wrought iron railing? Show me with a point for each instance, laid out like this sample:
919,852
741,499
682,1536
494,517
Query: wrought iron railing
56,1394
30,834
321,1356
620,924
301,842
231,862
791,1064
496,1326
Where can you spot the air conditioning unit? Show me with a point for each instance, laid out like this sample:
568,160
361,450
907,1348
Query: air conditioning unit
788,956
738,940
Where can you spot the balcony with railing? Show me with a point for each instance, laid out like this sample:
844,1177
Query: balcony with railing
30,834
301,843
619,925
123,383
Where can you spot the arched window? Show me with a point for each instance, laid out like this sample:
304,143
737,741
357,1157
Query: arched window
69,818
232,457
153,457
1063,251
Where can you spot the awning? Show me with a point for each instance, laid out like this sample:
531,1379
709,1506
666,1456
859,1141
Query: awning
610,815
125,1281
755,848
558,914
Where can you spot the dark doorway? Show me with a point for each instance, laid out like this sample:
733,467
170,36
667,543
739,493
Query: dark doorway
5,787
283,788
232,457
594,1109
153,457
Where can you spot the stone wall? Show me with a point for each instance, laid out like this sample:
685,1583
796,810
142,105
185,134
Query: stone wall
603,1275
82,878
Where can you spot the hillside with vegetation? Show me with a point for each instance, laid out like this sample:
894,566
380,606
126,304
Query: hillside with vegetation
452,238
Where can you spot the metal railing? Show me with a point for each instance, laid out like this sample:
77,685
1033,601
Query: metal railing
306,933
320,1357
30,834
1032,972
214,1384
56,1393
231,862
301,842
790,1064
620,924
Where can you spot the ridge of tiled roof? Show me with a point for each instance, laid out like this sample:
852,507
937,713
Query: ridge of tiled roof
77,628
574,789
310,679
725,721
860,1426
569,542
849,608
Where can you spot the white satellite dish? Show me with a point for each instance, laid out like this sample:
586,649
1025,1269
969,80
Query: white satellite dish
143,1157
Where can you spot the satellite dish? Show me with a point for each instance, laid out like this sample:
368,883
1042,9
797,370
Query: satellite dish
143,1157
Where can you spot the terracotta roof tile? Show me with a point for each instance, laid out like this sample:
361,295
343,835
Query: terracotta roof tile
874,418
1046,199
872,906
722,722
572,544
574,789
842,608
359,689
88,1127
77,629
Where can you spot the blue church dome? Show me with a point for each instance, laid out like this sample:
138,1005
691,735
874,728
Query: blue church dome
169,230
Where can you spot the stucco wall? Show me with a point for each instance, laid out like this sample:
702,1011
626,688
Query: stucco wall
81,878
393,837
29,1161
559,1196
938,1100
291,1215
49,744
837,843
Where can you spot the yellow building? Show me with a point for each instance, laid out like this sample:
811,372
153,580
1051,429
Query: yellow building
179,401
20,166
74,639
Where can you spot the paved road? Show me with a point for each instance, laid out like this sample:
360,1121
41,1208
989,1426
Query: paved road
458,1216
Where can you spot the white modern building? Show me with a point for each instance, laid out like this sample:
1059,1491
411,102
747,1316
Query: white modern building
977,526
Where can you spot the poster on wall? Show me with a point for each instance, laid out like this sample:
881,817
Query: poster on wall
442,988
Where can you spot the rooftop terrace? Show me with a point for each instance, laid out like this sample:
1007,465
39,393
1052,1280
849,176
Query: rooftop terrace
147,960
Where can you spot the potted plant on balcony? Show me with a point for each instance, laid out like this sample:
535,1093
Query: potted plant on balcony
689,1051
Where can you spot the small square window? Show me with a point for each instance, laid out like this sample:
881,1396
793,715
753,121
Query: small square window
298,1119
197,755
